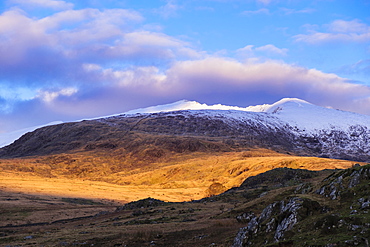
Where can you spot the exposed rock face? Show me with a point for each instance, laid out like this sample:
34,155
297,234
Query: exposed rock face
277,218
339,183
348,192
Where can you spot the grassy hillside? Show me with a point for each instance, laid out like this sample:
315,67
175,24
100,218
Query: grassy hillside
133,176
40,220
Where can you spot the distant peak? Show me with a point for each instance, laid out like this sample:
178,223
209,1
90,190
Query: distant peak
175,106
185,105
279,105
294,100
194,105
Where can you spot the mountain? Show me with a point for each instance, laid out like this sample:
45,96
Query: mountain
289,125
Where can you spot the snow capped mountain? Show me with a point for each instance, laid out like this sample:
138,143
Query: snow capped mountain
185,105
309,117
300,113
290,125
324,131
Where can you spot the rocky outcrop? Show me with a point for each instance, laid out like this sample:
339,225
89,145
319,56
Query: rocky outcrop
274,221
339,183
345,213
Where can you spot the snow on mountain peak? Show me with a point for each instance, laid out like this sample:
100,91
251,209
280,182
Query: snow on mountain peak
279,105
194,105
184,105
311,118
297,112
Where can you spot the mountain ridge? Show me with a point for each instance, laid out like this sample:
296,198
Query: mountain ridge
10,137
289,125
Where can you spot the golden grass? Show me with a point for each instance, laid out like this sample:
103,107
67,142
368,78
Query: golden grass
179,178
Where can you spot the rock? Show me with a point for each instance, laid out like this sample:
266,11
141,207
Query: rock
245,217
291,210
355,180
303,188
253,225
240,239
267,212
337,186
285,225
271,225
276,218
365,205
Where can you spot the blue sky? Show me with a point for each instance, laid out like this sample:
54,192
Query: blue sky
69,60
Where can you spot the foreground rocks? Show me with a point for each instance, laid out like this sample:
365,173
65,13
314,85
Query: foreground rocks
335,214
276,219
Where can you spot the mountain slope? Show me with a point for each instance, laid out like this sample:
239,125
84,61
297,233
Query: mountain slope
283,207
290,125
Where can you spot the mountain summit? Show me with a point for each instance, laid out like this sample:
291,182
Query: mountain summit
194,105
289,125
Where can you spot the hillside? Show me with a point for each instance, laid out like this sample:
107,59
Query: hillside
295,208
169,177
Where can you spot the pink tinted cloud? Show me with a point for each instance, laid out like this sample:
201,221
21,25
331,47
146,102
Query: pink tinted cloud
222,80
270,78
59,44
209,80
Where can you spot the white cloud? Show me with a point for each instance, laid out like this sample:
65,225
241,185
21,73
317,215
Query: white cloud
52,4
338,30
62,42
266,50
354,26
273,49
255,12
50,96
146,38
